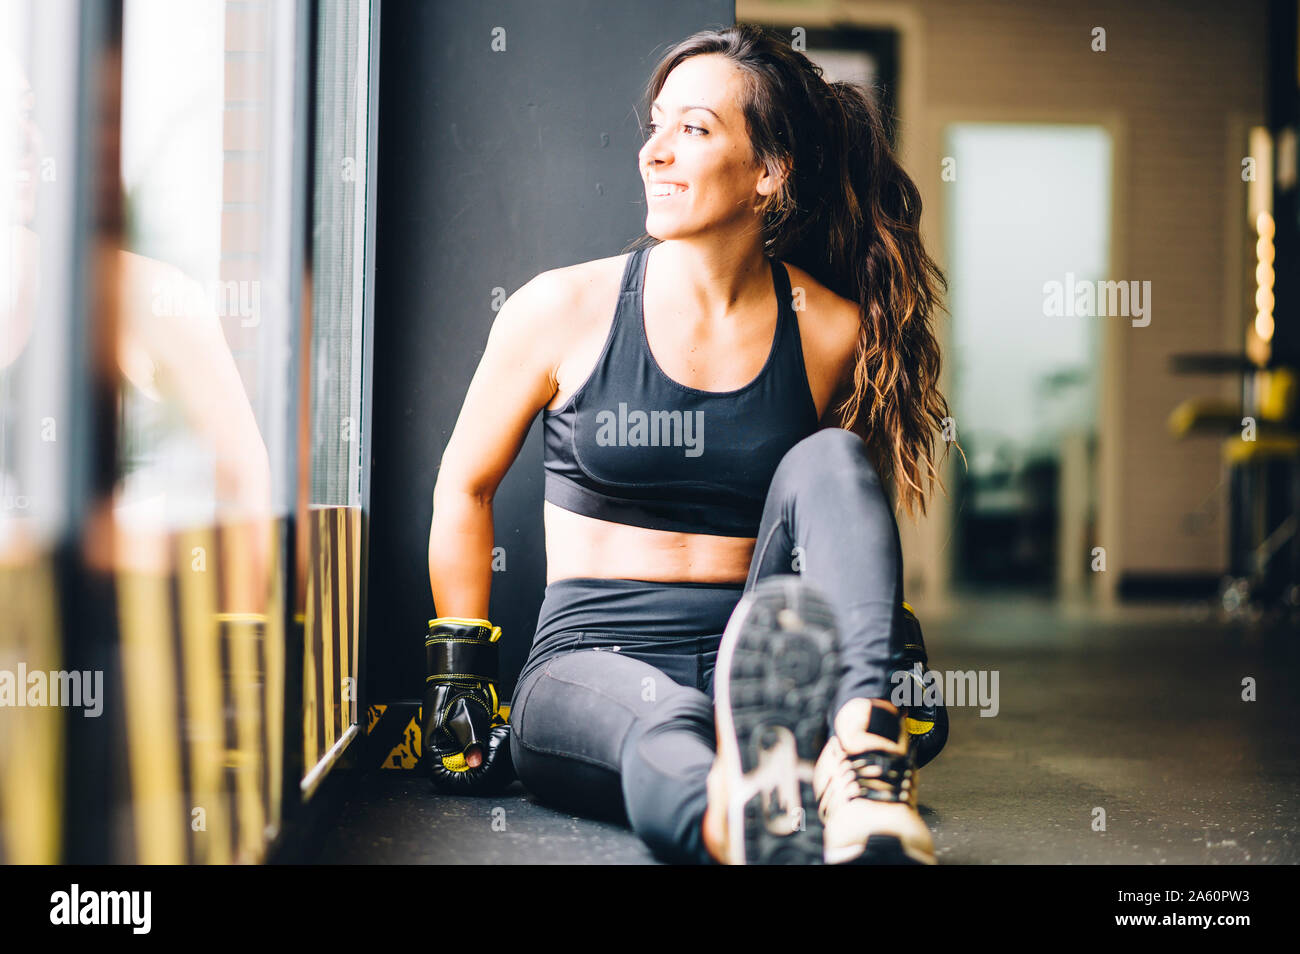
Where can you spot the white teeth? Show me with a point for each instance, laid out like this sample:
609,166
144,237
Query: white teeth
660,189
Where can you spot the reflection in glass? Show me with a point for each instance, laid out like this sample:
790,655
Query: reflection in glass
203,332
37,149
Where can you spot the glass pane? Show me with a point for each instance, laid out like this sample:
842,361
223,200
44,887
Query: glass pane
38,147
204,331
37,157
205,312
338,251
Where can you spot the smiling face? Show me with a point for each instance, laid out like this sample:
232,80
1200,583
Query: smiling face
698,165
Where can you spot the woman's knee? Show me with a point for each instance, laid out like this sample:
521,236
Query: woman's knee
831,453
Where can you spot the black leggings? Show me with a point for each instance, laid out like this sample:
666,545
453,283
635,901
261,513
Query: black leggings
613,712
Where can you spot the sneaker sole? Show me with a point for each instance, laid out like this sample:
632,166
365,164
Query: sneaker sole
776,677
881,850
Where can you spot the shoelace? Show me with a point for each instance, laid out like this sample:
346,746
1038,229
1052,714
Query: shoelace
881,776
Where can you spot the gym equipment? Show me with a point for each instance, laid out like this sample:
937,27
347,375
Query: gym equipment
927,724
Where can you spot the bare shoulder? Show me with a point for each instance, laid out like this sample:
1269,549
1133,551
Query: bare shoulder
828,332
559,303
830,320
580,301
591,286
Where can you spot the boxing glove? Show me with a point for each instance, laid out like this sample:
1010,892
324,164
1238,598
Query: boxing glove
925,716
460,708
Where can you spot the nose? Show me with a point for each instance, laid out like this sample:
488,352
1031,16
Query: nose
654,152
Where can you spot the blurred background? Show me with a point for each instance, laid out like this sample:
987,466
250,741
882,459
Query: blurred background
252,251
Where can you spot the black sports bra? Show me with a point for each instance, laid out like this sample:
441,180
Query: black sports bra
633,446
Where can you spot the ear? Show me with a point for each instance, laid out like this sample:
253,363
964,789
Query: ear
770,181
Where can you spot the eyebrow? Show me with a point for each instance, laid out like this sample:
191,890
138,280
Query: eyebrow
686,109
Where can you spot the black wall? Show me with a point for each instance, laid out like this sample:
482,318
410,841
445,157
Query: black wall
493,166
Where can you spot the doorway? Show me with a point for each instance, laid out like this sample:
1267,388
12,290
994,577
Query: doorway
1027,213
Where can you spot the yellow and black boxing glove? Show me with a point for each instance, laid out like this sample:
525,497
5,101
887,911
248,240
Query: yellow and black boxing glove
460,717
925,714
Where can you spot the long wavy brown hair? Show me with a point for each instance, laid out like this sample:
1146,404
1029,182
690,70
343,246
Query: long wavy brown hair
848,215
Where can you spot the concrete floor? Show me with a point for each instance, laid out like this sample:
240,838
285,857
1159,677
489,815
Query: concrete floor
1137,711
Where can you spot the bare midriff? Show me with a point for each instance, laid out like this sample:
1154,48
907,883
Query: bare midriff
580,546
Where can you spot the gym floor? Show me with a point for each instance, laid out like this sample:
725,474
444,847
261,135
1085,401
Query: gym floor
1137,711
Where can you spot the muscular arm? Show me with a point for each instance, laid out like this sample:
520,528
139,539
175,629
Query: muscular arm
515,379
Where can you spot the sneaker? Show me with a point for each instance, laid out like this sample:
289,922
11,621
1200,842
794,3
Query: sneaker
866,787
776,676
